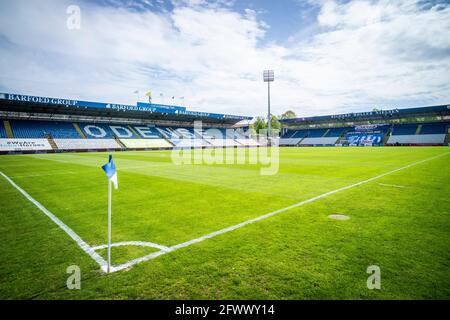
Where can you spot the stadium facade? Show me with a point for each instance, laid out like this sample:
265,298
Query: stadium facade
422,126
44,124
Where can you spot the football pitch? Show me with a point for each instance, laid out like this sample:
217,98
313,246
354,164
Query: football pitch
225,231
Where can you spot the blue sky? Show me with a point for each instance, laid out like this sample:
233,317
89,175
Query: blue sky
329,56
284,17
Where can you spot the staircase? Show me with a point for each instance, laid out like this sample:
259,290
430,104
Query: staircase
341,137
77,127
386,136
120,143
8,129
419,128
326,132
447,139
135,132
52,143
298,144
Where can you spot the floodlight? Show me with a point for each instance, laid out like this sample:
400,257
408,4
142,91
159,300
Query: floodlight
269,76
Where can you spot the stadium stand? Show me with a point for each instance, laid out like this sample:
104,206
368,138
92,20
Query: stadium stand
66,135
419,139
337,132
434,128
248,142
2,130
87,144
311,137
299,134
105,131
316,133
146,143
189,143
318,141
404,129
418,134
222,142
369,135
290,141
31,123
83,125
409,126
147,131
364,139
43,129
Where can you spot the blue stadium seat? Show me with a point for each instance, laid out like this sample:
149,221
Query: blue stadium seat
106,131
300,134
147,132
288,134
337,132
222,131
404,129
2,130
184,132
43,129
316,133
434,128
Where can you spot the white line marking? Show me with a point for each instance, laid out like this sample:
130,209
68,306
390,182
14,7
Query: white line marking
163,250
391,185
242,224
133,243
83,245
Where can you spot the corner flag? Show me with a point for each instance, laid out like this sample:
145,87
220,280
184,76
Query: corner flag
110,170
111,173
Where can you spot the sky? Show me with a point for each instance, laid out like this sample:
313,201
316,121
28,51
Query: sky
329,57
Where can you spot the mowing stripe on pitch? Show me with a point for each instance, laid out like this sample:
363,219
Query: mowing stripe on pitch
270,214
81,243
163,250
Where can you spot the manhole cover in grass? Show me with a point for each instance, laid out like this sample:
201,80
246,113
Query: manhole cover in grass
338,217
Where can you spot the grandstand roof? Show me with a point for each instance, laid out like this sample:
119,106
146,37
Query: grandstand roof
374,115
36,104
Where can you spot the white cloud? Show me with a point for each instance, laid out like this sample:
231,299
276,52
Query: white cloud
368,53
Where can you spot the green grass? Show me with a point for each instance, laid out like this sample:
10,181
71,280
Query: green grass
298,254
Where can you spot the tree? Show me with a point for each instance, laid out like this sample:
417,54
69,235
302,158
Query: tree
288,115
259,124
274,122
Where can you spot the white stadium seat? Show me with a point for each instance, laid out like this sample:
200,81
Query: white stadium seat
146,143
319,141
290,141
417,139
189,143
248,142
222,142
87,144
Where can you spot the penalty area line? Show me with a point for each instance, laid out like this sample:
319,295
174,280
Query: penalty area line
265,216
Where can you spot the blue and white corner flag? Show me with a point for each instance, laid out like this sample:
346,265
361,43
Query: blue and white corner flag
110,170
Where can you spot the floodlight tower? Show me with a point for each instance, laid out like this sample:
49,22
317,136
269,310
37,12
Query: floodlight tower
269,76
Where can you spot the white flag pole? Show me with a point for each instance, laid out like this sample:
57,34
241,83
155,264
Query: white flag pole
109,225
